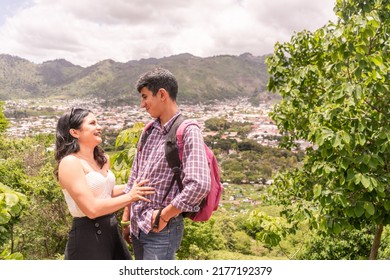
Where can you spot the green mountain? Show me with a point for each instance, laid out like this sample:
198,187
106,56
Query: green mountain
200,79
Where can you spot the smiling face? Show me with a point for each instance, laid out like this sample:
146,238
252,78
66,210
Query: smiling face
90,132
151,103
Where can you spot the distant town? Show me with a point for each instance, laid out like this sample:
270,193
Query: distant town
123,117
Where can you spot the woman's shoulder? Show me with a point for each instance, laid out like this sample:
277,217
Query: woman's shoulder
70,167
69,160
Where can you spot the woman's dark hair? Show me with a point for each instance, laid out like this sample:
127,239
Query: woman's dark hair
66,144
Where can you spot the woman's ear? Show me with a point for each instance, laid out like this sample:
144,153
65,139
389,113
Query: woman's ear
74,133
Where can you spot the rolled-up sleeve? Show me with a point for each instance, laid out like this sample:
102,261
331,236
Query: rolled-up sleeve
195,172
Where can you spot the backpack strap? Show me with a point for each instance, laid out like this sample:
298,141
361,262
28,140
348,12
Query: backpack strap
145,134
172,157
172,154
175,147
171,146
180,133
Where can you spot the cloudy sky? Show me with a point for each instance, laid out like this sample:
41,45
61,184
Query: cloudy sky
85,32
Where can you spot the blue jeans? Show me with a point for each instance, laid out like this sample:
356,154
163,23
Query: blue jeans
159,245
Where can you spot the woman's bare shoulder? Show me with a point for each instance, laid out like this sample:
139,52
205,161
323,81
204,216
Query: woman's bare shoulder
69,160
70,168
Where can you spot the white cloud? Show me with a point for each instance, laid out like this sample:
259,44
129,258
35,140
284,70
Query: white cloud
87,31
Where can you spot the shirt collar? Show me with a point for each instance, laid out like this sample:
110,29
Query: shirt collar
164,130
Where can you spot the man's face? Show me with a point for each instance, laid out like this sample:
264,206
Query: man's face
151,103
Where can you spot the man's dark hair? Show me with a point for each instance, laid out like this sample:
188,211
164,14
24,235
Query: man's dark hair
156,79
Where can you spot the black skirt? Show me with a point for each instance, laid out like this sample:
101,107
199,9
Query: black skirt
96,239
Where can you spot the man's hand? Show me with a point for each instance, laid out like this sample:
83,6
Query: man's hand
126,234
162,223
126,228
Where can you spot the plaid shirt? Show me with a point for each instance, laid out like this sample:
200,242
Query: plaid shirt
150,163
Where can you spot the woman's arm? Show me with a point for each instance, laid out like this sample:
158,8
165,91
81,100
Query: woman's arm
118,190
72,178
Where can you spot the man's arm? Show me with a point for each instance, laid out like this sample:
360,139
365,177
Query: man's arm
126,224
196,180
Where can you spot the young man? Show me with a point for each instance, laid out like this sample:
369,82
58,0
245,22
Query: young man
158,89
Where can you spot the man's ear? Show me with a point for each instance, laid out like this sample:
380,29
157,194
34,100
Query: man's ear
74,133
164,94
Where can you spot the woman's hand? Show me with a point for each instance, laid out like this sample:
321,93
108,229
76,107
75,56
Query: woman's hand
138,192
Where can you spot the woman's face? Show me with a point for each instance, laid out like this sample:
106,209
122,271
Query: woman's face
90,132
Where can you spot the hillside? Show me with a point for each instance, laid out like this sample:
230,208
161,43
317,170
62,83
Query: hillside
200,79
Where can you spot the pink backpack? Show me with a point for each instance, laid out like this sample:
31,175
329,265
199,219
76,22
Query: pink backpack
174,153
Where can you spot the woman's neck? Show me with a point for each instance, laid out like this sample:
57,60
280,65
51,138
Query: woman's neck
86,153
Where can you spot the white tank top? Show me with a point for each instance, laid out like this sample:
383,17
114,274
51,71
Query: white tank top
100,185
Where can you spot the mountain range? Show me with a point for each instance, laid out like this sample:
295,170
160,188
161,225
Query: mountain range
200,79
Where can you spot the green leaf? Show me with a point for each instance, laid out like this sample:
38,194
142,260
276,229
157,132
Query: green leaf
361,49
338,32
336,228
328,169
317,190
377,60
344,163
343,201
15,210
336,141
323,224
346,137
350,175
387,205
11,199
4,217
373,163
366,182
374,184
120,140
350,212
370,209
131,153
357,178
359,210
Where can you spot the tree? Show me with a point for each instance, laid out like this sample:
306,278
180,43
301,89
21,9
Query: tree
43,230
334,84
122,161
40,231
217,124
199,239
348,245
12,204
3,119
224,144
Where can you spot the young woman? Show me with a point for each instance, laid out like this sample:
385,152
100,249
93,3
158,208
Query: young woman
89,189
